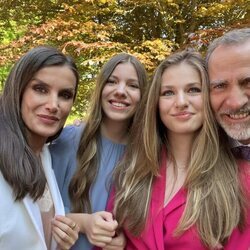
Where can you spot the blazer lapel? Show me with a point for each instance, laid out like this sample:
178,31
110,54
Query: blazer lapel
53,187
157,204
35,215
51,180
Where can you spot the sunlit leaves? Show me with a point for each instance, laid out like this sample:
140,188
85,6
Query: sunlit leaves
92,31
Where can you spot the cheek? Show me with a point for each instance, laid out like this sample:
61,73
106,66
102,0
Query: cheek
24,108
165,119
106,90
66,108
103,95
215,101
136,97
163,109
199,104
248,93
24,113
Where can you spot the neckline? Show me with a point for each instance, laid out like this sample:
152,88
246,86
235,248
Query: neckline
105,139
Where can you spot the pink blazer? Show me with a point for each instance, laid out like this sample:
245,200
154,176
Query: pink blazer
162,221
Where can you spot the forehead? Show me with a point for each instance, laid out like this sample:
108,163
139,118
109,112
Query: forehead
182,73
229,61
59,76
125,70
124,66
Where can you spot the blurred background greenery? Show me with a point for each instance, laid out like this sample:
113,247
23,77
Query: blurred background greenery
92,31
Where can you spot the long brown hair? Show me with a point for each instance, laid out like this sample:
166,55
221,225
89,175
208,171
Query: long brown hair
20,167
88,154
212,178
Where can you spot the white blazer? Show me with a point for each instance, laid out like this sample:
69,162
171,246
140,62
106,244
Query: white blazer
20,221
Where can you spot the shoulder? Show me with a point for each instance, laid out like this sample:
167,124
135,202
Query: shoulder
70,136
70,133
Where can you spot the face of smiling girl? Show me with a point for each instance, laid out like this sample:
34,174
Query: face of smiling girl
180,102
121,93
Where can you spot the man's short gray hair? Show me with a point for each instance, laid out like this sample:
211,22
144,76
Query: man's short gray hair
233,37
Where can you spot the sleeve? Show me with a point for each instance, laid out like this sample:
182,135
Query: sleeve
63,154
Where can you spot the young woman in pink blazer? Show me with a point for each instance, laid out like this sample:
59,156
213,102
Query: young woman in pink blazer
179,186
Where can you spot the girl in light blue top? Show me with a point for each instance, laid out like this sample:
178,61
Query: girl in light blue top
96,148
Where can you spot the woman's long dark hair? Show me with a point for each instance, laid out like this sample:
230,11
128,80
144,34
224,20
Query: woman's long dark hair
19,166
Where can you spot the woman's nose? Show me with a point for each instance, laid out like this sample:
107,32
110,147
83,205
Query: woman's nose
121,89
181,100
52,104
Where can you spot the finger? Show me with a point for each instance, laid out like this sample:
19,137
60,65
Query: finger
107,216
103,224
113,247
102,230
77,122
71,228
66,220
100,240
118,242
62,244
65,232
63,235
108,247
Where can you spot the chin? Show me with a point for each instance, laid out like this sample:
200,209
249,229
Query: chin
48,134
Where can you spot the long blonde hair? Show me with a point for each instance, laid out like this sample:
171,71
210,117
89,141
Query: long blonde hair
212,179
88,154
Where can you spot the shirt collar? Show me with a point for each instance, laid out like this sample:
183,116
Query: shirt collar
235,143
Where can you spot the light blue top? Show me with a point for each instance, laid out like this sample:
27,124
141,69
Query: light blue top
63,152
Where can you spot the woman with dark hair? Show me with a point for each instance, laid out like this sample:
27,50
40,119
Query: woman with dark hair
98,146
36,100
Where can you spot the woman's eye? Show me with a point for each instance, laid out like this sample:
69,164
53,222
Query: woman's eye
110,81
67,95
40,89
134,85
194,90
168,93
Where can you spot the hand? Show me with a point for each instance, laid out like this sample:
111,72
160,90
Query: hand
77,122
65,231
118,243
99,227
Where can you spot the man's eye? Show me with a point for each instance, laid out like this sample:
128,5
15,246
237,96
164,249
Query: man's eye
218,86
247,82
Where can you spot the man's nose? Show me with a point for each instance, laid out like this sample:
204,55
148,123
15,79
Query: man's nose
237,98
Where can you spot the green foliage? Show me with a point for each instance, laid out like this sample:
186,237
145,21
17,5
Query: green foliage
4,70
92,31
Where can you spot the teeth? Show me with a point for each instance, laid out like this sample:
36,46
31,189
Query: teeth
118,104
238,116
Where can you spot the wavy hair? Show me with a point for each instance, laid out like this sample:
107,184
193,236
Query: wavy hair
88,154
20,167
212,179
